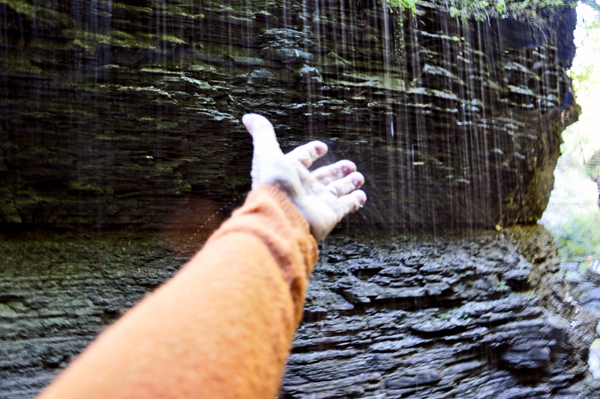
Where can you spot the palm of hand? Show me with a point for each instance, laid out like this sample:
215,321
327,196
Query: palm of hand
323,196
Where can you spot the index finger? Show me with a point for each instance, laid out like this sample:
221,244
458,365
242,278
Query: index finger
308,153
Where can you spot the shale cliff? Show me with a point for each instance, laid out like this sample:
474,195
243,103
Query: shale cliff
119,113
457,316
122,118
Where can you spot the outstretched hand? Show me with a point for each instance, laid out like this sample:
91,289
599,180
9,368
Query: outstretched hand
323,196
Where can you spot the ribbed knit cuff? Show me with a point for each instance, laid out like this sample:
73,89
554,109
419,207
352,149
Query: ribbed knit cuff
286,205
306,240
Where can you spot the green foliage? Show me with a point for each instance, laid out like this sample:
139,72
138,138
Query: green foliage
479,9
501,286
586,71
592,167
579,238
484,9
403,4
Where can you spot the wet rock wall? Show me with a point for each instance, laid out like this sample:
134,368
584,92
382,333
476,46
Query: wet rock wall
58,291
118,113
485,315
126,114
426,317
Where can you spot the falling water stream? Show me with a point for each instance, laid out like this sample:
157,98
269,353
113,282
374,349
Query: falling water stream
120,121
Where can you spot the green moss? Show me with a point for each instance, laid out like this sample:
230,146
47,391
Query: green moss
89,40
486,9
11,63
501,286
137,88
79,186
39,13
166,38
129,7
448,315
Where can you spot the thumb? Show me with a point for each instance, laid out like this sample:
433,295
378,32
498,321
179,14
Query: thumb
267,154
263,135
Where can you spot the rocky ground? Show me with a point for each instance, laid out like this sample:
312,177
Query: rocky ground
59,290
471,315
440,317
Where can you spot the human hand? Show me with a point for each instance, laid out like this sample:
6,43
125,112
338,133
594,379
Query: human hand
323,196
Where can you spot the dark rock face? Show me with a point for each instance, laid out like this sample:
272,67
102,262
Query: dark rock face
127,113
115,114
440,318
584,283
57,293
413,317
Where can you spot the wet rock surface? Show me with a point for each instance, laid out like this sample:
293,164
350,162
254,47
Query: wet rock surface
584,283
113,114
404,316
58,291
446,317
128,116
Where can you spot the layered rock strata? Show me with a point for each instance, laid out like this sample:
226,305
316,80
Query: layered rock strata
123,112
127,114
481,316
422,317
57,293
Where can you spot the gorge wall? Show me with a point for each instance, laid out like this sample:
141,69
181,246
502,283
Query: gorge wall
454,316
118,113
119,119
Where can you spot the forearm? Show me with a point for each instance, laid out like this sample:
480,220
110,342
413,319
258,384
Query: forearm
222,328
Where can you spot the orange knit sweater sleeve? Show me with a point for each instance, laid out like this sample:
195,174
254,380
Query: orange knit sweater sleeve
221,328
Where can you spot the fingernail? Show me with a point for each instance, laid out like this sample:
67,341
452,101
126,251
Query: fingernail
356,182
321,149
345,169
